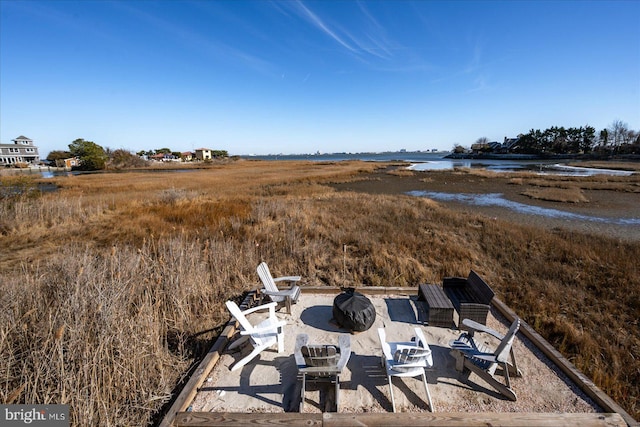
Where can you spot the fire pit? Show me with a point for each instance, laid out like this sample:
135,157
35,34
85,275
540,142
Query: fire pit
353,311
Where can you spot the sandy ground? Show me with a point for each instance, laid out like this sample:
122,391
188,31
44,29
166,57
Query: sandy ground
601,203
270,383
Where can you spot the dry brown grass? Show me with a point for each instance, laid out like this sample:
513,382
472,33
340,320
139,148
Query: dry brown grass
628,184
401,172
116,284
569,189
600,181
565,195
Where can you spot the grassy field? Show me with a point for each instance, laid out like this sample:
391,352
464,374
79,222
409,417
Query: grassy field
114,286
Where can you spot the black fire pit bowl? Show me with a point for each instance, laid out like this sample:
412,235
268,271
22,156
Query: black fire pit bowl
353,311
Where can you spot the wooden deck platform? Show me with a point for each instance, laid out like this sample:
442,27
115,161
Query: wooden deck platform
612,414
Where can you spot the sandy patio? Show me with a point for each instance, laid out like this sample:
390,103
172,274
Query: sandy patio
270,383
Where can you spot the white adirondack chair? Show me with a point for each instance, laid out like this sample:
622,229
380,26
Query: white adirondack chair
263,335
406,359
284,297
483,361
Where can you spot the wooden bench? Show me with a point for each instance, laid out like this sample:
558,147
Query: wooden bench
471,297
439,307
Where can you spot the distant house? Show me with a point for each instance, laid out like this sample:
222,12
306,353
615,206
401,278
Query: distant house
495,146
204,154
510,143
71,162
480,147
164,157
187,156
21,151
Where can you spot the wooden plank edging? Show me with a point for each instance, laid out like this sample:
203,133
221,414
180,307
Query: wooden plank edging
371,290
477,419
243,419
408,419
190,389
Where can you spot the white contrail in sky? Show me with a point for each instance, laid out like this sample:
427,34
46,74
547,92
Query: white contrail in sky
315,20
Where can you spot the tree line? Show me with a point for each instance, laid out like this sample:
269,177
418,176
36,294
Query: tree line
557,140
613,140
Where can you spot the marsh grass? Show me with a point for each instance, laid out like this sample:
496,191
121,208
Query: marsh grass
401,172
627,184
117,284
569,189
564,195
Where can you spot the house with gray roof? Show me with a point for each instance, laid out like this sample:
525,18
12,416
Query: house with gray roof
21,151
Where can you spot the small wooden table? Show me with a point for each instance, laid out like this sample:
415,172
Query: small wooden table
439,307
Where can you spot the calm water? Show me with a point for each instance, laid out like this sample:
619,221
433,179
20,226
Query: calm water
423,161
404,156
416,160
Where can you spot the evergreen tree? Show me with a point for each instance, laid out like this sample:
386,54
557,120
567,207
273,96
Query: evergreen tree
91,155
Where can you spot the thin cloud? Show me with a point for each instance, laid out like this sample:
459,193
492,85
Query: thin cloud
319,23
366,39
374,47
476,58
474,70
276,5
480,85
377,35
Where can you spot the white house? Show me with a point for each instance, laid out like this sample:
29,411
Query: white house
21,151
203,154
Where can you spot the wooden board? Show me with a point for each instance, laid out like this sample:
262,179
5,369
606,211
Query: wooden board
331,419
190,389
235,419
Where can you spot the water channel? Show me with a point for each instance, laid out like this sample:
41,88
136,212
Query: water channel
497,199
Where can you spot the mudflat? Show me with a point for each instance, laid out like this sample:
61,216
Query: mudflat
607,206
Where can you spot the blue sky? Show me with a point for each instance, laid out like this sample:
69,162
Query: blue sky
259,77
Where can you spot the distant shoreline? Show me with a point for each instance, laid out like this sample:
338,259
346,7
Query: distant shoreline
513,156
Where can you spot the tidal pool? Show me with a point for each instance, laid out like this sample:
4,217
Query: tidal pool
539,167
497,199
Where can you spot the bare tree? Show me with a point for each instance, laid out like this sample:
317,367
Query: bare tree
618,133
